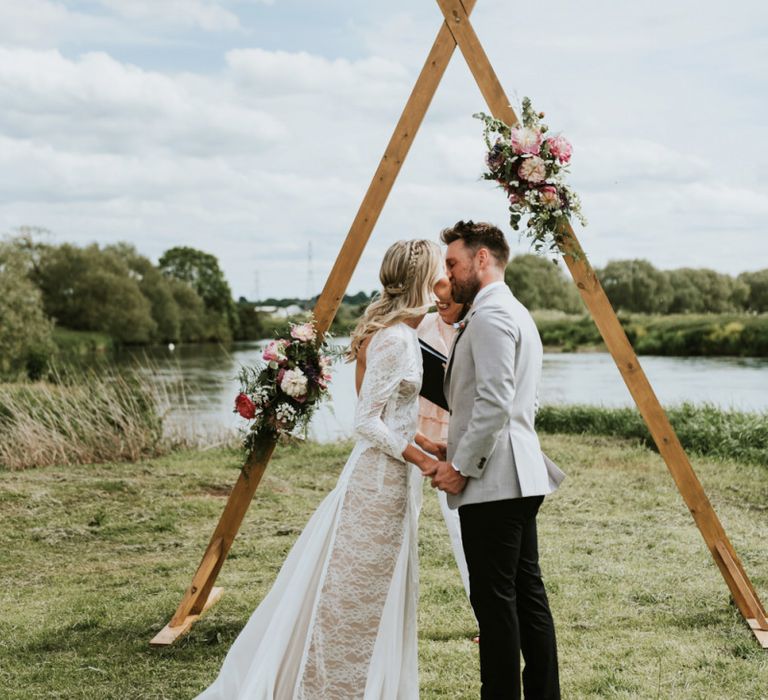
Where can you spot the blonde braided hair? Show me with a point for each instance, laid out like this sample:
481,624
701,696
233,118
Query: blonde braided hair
408,273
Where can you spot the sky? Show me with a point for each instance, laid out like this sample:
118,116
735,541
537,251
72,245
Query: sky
251,128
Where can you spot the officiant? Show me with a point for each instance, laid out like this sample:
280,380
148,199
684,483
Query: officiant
437,330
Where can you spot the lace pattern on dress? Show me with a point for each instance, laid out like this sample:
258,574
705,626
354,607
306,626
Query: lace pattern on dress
371,524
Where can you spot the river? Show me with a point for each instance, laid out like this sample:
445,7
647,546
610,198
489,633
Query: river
210,375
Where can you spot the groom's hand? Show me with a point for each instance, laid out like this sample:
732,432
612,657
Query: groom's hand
447,479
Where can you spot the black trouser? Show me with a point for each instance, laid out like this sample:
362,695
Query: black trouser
509,600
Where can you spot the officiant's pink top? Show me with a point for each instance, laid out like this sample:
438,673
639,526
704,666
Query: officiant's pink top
433,420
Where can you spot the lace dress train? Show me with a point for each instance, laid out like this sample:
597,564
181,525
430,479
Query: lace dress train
340,619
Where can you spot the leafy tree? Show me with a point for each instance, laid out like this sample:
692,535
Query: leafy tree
539,284
202,272
250,326
757,283
25,332
157,289
93,289
636,285
192,321
705,291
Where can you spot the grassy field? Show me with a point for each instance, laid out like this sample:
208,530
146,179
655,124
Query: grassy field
93,560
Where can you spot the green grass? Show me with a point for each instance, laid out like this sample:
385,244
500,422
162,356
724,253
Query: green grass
94,559
703,429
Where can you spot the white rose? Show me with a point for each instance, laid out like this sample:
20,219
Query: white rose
294,383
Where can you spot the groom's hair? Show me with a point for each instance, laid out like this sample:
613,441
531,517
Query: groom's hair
479,235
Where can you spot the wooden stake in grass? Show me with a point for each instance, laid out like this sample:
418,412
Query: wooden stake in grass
457,31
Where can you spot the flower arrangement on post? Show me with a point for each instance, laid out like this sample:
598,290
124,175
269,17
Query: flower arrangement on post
280,394
530,166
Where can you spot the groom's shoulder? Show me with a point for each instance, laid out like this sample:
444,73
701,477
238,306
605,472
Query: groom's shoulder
495,313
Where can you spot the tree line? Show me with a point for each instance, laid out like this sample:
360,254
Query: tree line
185,297
637,286
112,290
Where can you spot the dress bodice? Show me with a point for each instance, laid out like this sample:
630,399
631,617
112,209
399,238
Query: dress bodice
386,416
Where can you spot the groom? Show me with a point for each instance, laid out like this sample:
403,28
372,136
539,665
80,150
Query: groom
496,473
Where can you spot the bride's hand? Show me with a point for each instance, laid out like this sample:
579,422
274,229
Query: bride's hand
441,451
436,449
428,467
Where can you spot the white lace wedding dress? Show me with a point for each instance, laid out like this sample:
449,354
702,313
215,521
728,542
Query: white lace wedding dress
340,619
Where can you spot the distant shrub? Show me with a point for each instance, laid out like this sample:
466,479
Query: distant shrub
703,429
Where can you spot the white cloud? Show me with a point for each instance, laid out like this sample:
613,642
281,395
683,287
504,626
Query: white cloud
253,158
96,104
210,16
42,23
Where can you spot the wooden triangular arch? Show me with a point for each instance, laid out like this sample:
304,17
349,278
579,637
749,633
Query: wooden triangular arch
456,30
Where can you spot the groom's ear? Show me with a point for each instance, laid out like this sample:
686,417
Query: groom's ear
483,256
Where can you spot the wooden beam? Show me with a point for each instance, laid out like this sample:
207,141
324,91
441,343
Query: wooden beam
199,596
385,175
618,344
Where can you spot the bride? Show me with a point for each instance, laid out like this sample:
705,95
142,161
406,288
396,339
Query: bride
340,619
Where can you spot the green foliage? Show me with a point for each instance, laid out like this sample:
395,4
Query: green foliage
541,284
202,272
157,289
250,323
192,314
567,332
25,332
740,335
636,285
705,291
93,290
705,335
73,345
757,283
703,429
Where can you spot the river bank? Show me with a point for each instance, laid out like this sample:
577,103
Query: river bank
691,335
94,559
129,415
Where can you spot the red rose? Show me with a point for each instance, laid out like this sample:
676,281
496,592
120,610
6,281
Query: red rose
245,407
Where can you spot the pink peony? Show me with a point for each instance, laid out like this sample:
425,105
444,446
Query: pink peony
245,407
525,140
533,170
304,332
549,196
275,351
560,148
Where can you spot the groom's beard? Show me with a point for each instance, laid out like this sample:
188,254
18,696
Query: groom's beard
466,291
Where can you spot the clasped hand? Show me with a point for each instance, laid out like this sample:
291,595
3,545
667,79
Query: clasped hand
443,475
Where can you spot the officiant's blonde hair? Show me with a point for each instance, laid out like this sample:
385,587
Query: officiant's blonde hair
408,273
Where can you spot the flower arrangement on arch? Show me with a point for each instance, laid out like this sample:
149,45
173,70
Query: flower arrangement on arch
529,166
280,394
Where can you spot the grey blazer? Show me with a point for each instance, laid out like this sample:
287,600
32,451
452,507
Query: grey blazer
491,384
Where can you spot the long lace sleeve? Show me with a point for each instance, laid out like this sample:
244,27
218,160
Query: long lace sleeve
387,363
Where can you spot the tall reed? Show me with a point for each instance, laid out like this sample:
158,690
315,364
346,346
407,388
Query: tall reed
78,417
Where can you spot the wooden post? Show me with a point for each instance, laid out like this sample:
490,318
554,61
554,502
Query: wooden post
621,350
201,594
456,30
